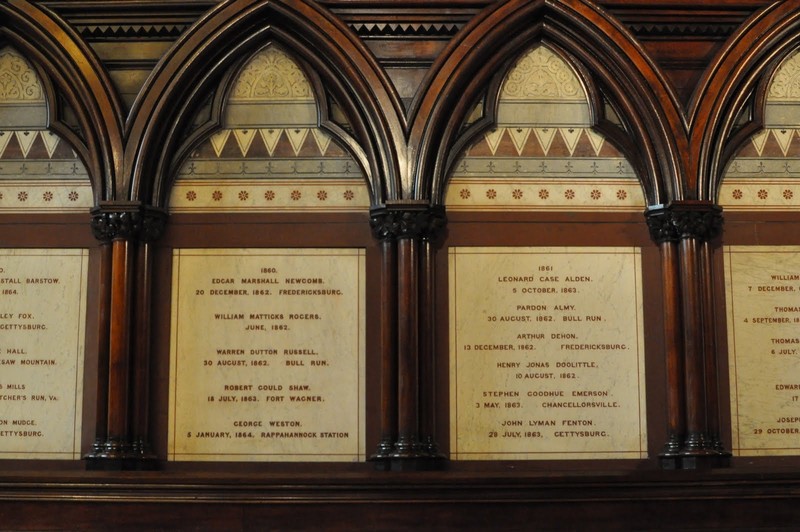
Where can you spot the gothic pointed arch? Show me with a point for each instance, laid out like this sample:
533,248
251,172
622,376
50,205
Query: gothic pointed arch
542,151
71,72
762,173
622,82
350,79
738,78
262,150
40,171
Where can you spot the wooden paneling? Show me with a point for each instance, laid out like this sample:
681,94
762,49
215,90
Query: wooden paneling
395,82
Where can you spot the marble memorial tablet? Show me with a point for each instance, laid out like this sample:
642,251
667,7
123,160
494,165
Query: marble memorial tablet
42,324
267,355
546,353
763,305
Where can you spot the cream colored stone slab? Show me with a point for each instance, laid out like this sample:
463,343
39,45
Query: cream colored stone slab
546,354
267,355
42,323
763,305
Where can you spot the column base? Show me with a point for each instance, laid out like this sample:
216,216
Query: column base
115,455
695,460
94,463
712,460
408,455
410,463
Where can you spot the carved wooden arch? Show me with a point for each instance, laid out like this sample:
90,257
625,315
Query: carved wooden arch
217,104
74,69
621,68
236,29
491,101
54,111
738,76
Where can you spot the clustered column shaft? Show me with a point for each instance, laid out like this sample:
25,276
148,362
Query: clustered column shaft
684,232
407,232
126,231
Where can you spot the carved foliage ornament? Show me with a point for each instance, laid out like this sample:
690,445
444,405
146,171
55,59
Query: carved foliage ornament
785,84
674,222
661,227
18,80
107,226
542,75
147,225
398,222
271,75
700,224
153,223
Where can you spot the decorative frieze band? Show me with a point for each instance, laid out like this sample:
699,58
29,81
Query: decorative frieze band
405,29
128,31
709,30
407,220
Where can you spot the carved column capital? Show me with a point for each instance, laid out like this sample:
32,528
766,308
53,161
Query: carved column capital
659,221
153,222
128,221
700,220
407,220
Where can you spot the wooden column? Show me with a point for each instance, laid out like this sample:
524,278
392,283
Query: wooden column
103,328
388,346
710,354
663,232
152,227
410,225
696,223
427,346
683,231
118,223
408,445
696,442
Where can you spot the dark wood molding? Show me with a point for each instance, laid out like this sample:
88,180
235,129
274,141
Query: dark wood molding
112,20
688,81
757,498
